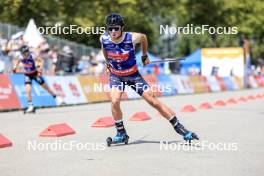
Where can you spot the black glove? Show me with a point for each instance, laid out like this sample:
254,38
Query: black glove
14,70
145,60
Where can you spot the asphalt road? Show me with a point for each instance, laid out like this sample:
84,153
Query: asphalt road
231,141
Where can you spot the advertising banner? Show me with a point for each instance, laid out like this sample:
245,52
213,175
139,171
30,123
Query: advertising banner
166,85
199,83
105,81
68,87
222,62
213,84
153,82
40,97
8,97
229,83
93,88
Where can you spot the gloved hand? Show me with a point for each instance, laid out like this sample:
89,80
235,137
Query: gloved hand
108,71
14,70
145,60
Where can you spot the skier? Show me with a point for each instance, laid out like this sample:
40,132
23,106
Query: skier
119,51
31,72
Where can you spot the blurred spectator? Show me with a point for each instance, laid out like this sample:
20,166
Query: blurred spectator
97,65
83,65
53,53
2,66
43,53
53,61
66,60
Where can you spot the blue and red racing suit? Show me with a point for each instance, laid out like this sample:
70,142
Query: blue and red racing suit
30,70
122,61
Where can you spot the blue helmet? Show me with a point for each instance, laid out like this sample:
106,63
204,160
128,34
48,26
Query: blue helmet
114,19
24,49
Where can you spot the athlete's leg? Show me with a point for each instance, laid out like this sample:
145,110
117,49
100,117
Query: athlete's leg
28,86
165,111
115,103
168,114
58,99
41,82
28,92
117,88
39,79
46,87
142,88
138,83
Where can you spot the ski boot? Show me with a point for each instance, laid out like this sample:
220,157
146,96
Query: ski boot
30,109
187,135
119,138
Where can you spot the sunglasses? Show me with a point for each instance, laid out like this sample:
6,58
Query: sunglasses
114,28
25,53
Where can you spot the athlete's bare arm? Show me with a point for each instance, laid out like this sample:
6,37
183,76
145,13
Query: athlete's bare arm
105,55
16,65
142,39
39,65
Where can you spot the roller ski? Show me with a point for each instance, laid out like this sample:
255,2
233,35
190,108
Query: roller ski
188,136
121,136
118,139
30,109
181,130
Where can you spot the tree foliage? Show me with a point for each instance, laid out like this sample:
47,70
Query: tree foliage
146,16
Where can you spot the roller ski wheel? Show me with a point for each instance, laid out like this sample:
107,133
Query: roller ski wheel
30,111
190,136
111,141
